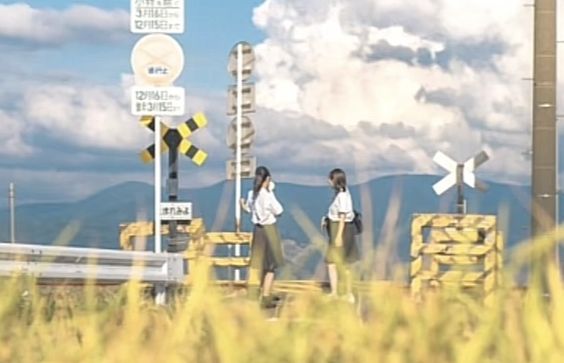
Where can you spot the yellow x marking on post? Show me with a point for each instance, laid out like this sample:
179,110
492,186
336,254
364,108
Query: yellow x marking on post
177,138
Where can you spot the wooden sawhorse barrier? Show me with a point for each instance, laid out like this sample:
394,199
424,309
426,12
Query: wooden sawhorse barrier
456,250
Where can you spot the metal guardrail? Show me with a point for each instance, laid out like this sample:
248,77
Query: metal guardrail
71,264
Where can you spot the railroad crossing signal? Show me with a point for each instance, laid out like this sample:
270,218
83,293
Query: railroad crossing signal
459,174
177,139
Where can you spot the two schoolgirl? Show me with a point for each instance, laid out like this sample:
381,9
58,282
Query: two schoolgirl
266,252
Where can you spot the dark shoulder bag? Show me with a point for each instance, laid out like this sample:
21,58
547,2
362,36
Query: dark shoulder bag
357,221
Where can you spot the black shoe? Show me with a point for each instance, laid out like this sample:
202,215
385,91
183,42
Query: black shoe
268,302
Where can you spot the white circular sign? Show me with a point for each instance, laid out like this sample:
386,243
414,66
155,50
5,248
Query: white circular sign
247,133
248,60
157,60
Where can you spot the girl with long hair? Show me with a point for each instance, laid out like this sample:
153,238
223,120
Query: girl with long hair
266,250
342,250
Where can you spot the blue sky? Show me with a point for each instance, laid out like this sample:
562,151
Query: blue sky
373,86
212,27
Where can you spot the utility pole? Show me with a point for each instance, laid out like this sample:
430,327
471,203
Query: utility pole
544,197
12,200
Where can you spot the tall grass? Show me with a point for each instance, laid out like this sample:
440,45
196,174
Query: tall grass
204,324
90,324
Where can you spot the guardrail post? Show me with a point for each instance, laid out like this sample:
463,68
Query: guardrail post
160,294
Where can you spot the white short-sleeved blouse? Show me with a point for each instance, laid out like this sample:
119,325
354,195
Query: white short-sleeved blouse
265,208
342,204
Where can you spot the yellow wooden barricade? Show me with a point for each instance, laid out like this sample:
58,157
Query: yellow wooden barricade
456,250
214,239
201,244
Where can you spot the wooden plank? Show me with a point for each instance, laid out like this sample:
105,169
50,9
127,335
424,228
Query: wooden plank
437,220
454,235
230,261
224,238
457,260
452,249
453,276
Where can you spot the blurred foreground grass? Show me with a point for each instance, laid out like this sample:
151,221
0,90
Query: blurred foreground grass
204,324
91,324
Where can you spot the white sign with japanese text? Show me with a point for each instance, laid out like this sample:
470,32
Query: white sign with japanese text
157,60
161,101
157,16
176,211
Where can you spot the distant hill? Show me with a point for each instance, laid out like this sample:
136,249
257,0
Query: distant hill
100,214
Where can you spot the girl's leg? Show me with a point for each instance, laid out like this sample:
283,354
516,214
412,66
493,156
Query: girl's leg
273,257
267,300
267,285
256,266
333,278
348,284
334,255
350,254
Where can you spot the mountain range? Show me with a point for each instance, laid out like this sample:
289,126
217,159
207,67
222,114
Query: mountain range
99,215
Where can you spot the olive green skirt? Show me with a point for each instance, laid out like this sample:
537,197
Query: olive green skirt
348,252
266,250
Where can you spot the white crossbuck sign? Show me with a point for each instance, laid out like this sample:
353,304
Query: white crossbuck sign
458,173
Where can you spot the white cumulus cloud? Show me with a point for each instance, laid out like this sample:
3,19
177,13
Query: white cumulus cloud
12,136
20,22
84,115
404,78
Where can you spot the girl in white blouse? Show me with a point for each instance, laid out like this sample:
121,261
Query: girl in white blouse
266,250
342,250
